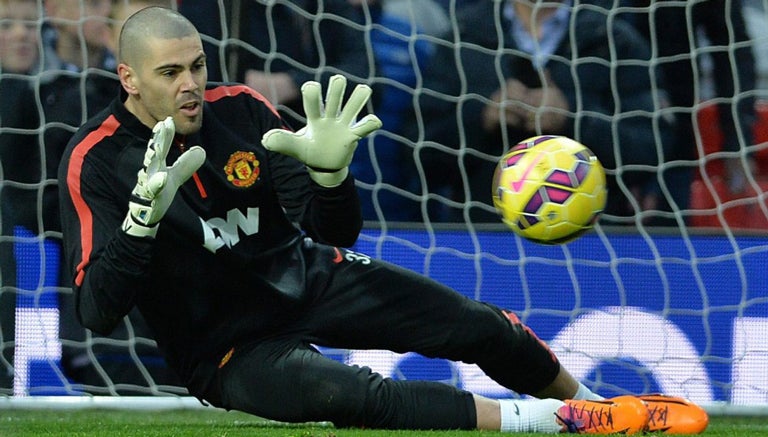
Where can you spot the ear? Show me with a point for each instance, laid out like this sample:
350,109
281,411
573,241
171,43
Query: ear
128,79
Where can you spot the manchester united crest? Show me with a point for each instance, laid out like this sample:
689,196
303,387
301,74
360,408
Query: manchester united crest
242,169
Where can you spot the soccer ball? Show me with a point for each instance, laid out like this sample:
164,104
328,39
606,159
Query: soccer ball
549,189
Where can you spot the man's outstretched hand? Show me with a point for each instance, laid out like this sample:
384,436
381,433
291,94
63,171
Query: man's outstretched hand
328,141
157,183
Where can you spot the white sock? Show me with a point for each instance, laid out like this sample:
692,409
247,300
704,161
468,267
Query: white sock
536,415
585,393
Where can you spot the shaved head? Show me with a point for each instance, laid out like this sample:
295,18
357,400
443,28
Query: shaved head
151,22
162,68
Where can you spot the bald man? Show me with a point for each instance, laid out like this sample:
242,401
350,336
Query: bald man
227,230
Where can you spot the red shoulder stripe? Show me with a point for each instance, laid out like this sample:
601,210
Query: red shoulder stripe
74,170
220,92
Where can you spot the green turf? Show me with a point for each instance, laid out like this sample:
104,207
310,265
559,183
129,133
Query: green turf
216,423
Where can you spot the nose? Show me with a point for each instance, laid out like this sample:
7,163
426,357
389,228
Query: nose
188,81
22,30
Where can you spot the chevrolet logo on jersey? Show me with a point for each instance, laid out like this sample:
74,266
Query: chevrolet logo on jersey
242,169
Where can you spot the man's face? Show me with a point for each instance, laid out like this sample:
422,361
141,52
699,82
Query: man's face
91,17
18,36
170,80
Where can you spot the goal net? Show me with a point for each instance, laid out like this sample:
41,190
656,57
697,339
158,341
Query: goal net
670,297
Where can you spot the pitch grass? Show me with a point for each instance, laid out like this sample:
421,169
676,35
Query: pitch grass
217,423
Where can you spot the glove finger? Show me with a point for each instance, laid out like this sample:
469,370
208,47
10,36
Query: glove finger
155,184
336,86
141,182
149,155
313,104
187,164
159,145
283,141
162,134
355,104
368,124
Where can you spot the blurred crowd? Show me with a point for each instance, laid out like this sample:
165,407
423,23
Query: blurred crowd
456,83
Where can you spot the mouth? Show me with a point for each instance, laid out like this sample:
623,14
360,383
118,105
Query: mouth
24,49
190,109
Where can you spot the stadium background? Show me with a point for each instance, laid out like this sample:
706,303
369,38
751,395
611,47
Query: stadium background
682,312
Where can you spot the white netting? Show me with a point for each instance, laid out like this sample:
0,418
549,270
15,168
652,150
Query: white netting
631,307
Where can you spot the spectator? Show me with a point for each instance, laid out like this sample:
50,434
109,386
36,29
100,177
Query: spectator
76,63
19,36
518,69
719,26
79,81
19,60
401,33
448,4
208,17
300,41
284,44
76,35
756,20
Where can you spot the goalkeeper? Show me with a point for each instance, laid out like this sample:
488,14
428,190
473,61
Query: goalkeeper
226,229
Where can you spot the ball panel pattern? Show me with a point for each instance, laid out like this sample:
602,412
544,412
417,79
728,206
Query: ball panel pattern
549,189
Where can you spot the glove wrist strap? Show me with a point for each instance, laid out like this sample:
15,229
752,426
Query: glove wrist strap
328,179
136,229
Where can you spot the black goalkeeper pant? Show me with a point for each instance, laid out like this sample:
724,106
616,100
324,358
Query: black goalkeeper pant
357,302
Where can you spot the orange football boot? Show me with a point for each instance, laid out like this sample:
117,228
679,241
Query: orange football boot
674,415
619,415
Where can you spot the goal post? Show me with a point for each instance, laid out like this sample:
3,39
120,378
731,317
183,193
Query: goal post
628,309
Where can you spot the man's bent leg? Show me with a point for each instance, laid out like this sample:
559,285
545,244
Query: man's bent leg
291,382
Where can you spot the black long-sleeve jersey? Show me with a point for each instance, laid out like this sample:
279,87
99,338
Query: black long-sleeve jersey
230,238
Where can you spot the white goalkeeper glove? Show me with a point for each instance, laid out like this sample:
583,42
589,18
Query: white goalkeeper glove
328,141
157,184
